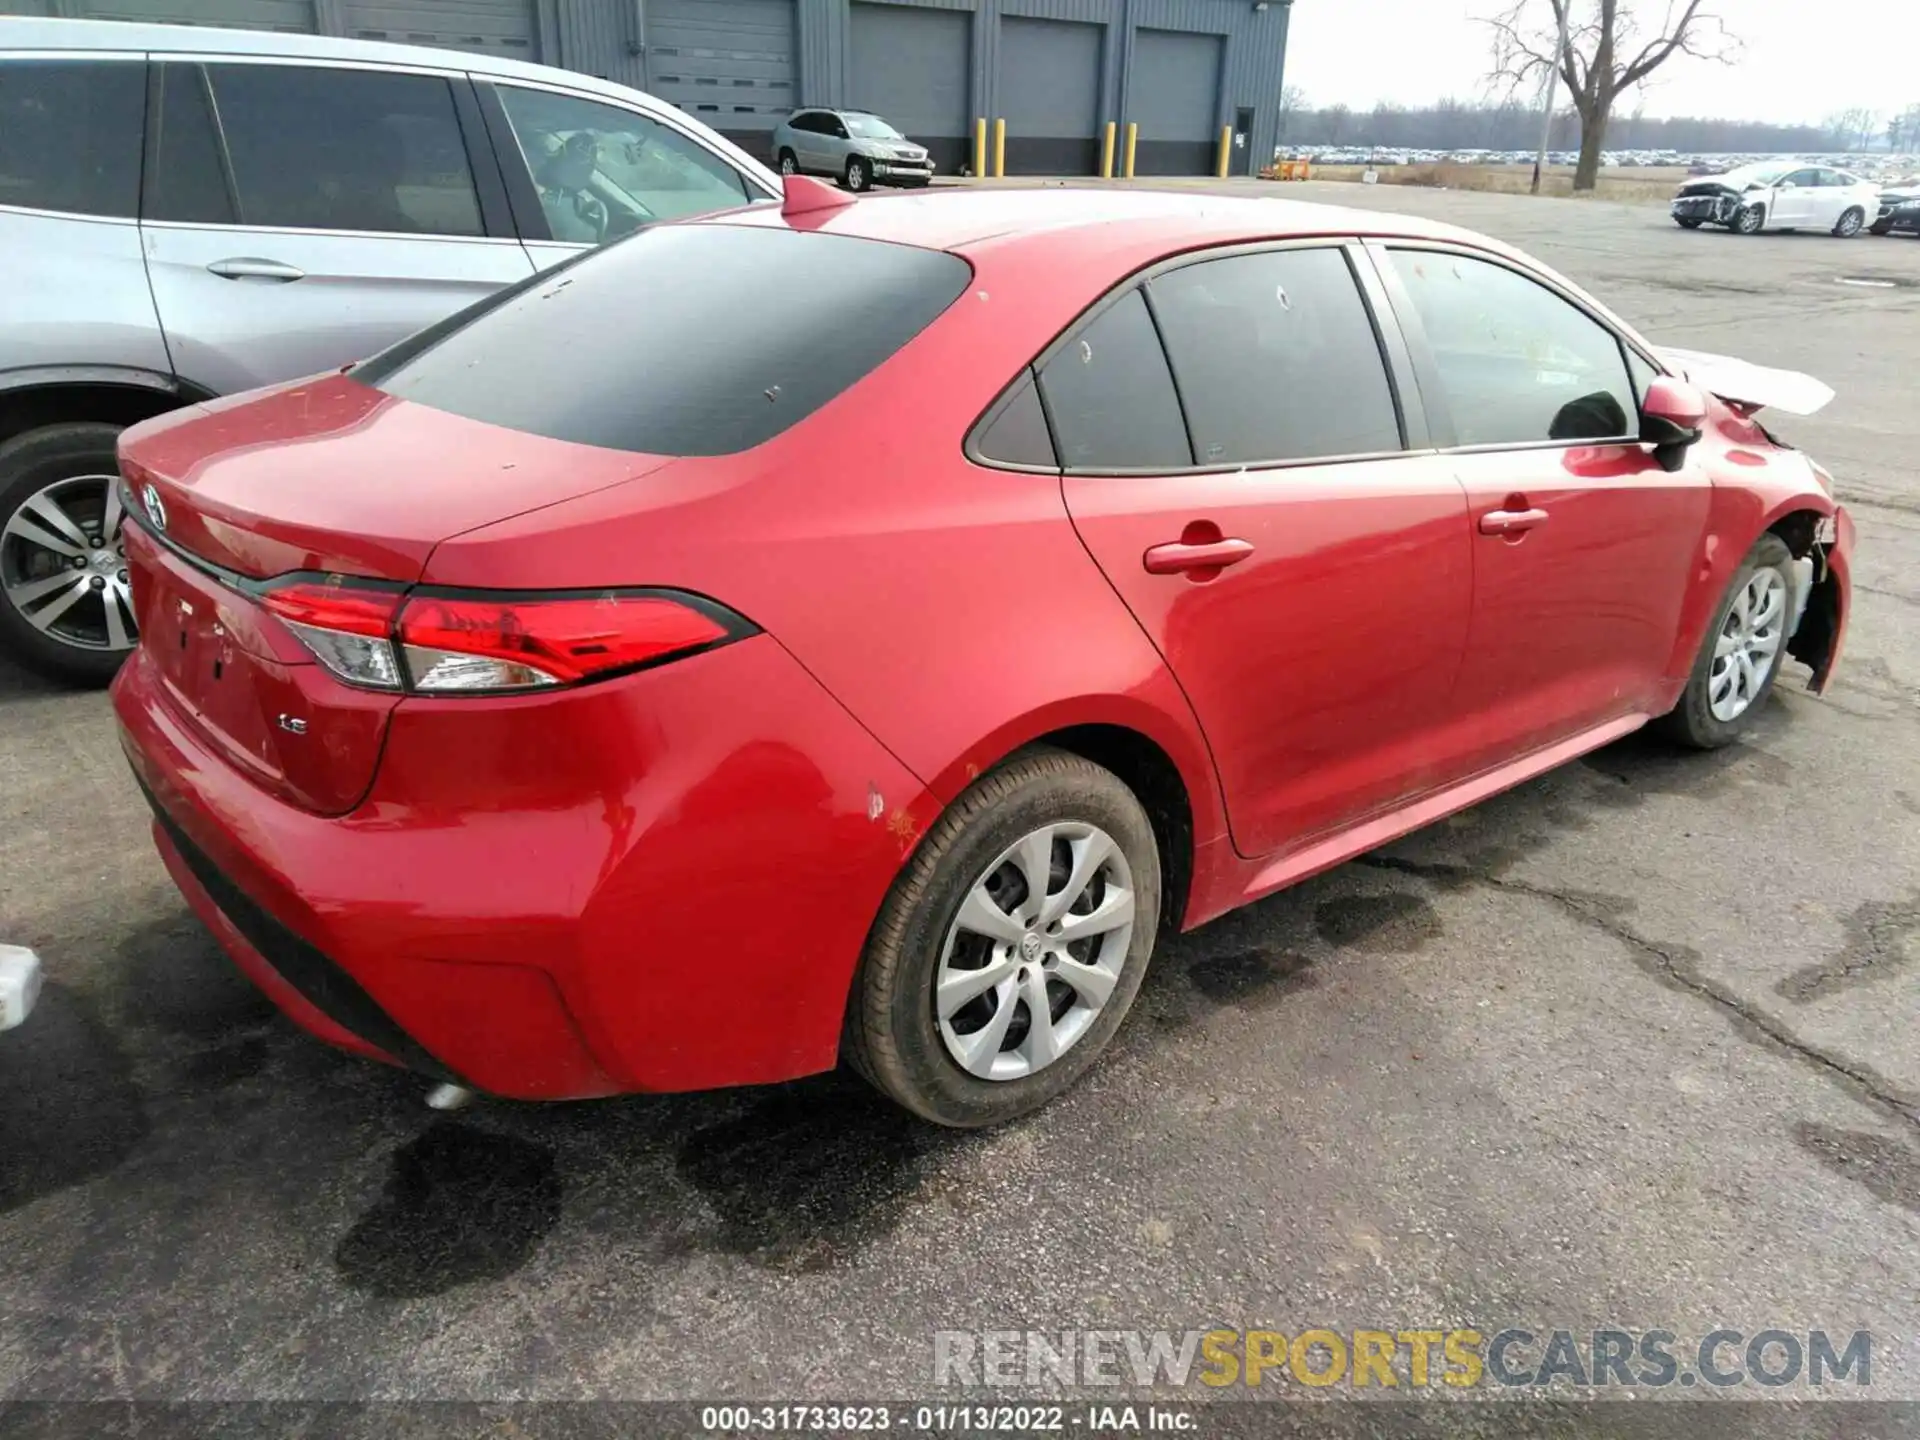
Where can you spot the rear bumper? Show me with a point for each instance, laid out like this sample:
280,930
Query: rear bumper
662,882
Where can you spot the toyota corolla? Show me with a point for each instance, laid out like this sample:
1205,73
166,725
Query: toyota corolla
861,630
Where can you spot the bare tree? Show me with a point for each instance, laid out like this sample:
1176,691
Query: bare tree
1856,127
1612,45
1292,98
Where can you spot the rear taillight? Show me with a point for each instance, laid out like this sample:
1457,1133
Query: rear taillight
478,643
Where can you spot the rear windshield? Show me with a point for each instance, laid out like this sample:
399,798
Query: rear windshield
679,340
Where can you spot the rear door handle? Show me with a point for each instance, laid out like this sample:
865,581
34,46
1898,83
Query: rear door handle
1175,558
246,267
1510,522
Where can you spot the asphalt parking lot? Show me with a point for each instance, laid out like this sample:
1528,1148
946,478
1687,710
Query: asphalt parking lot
1630,1045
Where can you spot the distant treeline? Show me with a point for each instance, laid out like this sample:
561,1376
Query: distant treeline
1467,125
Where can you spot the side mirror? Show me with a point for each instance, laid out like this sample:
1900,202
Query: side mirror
1670,419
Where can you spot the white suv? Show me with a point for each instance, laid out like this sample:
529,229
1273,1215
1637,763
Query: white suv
855,147
189,212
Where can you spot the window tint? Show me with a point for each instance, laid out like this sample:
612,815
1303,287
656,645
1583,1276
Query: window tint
1110,395
1018,435
811,123
1517,363
70,135
602,172
1643,374
335,149
187,180
683,340
1801,178
1276,358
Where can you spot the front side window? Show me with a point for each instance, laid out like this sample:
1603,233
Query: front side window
319,148
1517,363
70,135
684,340
1110,395
603,172
1276,358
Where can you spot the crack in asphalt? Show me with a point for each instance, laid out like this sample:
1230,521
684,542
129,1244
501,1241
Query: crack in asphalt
1678,967
1881,937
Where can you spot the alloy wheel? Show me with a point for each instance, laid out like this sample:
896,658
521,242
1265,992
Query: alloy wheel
1035,951
63,565
1749,642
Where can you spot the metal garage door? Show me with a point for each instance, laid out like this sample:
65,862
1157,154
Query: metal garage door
911,65
490,27
1050,95
295,15
726,62
1175,99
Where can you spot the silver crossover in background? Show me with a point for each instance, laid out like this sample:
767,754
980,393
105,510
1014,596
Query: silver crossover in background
857,148
303,203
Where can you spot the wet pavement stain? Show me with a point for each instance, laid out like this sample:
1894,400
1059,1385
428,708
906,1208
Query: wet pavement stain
1245,975
178,980
461,1205
811,1173
1882,937
69,1108
1396,921
228,1065
1889,1170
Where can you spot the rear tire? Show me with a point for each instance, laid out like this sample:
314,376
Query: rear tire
789,163
1881,227
1767,569
1851,223
894,1035
56,468
1750,221
859,176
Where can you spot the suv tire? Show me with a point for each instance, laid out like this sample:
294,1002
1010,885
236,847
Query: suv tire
67,456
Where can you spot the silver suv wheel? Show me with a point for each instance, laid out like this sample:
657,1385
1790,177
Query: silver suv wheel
63,567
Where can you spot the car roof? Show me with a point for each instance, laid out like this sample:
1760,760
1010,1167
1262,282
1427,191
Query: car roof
24,33
967,219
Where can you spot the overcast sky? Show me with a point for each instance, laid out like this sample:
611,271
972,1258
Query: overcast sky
1802,60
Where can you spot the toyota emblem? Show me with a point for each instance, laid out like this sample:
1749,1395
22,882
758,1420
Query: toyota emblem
156,511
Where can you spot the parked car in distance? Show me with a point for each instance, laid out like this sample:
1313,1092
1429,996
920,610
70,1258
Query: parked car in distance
348,194
772,748
1776,195
1899,208
858,149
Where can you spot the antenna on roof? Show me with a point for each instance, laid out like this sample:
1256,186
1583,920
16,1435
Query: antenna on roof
805,195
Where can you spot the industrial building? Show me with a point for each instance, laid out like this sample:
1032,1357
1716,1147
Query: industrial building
1055,71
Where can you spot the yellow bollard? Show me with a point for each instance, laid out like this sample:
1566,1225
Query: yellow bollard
1133,138
1226,149
999,149
1106,153
980,145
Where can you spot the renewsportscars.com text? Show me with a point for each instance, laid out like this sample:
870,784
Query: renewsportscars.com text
1402,1359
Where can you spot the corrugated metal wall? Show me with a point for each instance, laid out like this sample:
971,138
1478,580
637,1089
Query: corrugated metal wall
612,39
914,65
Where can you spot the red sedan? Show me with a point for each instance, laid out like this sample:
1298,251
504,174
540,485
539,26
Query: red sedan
857,630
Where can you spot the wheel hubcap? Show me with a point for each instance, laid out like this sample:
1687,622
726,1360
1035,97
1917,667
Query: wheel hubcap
1035,951
1749,641
63,565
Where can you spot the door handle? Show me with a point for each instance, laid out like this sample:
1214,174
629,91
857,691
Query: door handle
1510,522
1178,557
244,267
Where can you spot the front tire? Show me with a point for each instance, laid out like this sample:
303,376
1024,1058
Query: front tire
66,611
1742,651
789,163
1851,223
964,954
1750,221
1881,227
859,175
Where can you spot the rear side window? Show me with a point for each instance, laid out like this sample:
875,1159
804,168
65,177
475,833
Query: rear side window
70,135
1110,395
681,339
1018,434
1276,358
187,179
1517,363
318,148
